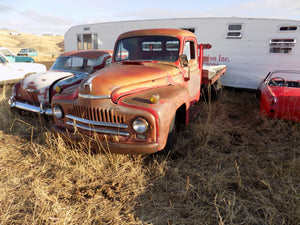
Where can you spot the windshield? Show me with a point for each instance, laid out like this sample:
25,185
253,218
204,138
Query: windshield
74,64
161,48
286,75
6,52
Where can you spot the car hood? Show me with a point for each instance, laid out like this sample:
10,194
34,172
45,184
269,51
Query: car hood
45,79
28,67
123,78
12,70
35,87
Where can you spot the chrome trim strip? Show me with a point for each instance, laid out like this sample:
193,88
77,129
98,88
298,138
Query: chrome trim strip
98,130
32,90
96,123
31,108
94,96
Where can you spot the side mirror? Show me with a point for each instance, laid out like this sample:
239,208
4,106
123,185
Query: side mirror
183,60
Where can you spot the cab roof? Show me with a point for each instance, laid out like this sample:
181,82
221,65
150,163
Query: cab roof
159,31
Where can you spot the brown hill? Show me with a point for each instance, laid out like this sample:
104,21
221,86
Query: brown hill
48,46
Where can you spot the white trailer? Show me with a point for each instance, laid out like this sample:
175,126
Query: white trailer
250,47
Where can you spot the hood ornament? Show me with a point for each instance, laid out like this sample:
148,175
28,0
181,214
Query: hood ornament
88,86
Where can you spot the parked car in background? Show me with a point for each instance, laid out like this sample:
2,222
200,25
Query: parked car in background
279,95
35,91
13,58
28,52
11,72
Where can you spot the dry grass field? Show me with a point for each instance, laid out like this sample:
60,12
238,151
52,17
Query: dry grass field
229,167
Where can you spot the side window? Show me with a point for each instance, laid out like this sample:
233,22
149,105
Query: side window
122,53
79,42
282,45
190,50
77,62
234,31
288,28
95,41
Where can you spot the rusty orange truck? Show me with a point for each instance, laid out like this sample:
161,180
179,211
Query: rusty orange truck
135,104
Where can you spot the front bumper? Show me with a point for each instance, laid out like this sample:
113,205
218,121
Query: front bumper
31,108
107,146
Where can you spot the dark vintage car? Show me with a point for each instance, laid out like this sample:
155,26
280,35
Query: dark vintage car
35,91
279,95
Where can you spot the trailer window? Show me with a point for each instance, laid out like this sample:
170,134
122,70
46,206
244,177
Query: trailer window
191,29
234,31
79,42
282,45
87,41
288,28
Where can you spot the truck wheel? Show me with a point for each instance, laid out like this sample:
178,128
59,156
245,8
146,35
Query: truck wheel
172,136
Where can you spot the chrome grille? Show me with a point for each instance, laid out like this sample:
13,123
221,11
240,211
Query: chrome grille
96,114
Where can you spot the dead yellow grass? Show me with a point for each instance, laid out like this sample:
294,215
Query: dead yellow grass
229,167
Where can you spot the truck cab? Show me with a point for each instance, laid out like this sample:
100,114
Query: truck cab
133,105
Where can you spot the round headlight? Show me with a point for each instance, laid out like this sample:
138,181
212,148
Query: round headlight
140,125
57,112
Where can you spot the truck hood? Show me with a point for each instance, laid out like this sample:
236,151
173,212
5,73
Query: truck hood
128,77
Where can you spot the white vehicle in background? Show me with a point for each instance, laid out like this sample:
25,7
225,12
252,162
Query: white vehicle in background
15,58
11,72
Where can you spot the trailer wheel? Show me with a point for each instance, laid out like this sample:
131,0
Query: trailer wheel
211,92
216,89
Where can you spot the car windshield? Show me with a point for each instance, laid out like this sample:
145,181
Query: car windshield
160,48
285,79
286,75
6,52
74,64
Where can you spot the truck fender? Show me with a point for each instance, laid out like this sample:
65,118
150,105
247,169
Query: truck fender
170,99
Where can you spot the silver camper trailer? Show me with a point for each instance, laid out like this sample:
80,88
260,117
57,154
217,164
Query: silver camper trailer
250,47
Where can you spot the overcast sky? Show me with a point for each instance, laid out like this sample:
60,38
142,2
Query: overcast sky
57,16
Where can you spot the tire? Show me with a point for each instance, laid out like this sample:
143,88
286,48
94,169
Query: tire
172,136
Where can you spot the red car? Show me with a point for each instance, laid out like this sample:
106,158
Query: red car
279,95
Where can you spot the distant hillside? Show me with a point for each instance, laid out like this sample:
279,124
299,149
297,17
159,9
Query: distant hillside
48,47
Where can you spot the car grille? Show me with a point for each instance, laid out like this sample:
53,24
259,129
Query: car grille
101,121
97,114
